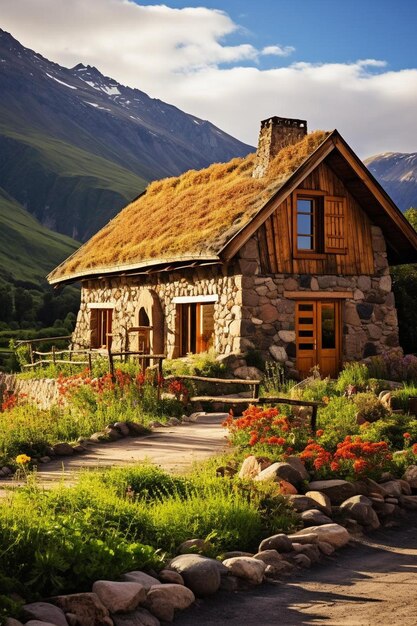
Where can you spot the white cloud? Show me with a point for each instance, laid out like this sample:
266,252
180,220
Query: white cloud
182,56
279,51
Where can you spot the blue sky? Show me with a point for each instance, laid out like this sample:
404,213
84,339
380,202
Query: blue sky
325,30
350,65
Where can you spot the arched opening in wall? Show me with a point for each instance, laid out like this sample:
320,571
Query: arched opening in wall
144,332
149,323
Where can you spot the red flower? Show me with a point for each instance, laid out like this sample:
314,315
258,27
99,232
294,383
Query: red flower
319,433
406,435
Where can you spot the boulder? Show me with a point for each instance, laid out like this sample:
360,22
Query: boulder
193,546
139,617
308,537
393,488
63,449
163,600
298,465
250,468
360,509
286,488
119,597
334,534
280,543
312,551
200,574
246,567
314,517
303,503
280,471
38,622
140,577
410,475
409,502
72,619
169,576
302,560
325,548
88,608
278,570
123,428
374,487
233,553
113,434
321,500
44,612
269,557
248,373
336,490
11,621
137,430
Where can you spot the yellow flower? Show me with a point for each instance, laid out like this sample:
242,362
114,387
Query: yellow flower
22,459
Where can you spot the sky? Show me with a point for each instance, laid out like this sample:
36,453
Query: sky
345,64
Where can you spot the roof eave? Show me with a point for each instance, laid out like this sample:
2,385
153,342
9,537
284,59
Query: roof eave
132,267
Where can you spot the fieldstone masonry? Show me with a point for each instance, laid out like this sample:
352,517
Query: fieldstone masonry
124,294
251,311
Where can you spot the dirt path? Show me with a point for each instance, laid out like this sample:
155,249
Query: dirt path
372,583
173,448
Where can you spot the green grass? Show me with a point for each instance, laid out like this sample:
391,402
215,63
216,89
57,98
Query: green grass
28,250
61,540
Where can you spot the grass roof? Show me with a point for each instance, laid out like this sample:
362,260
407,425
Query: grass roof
186,217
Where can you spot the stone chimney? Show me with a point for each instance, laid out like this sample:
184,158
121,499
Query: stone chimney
276,133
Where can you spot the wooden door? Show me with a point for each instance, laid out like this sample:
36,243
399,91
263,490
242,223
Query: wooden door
318,337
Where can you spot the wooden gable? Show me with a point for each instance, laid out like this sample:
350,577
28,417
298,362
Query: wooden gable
334,167
347,244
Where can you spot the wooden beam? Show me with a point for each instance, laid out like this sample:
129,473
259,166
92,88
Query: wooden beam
316,295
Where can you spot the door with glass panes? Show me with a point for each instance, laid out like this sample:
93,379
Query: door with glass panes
318,337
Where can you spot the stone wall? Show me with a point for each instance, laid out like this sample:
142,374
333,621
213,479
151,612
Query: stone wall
126,294
370,323
44,392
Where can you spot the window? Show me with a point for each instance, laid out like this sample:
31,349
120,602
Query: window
195,326
319,224
101,328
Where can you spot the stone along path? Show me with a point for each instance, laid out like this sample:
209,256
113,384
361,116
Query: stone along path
174,448
369,583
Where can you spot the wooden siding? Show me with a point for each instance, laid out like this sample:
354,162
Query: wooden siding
276,235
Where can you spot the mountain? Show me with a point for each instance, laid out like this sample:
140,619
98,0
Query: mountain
76,146
28,250
397,173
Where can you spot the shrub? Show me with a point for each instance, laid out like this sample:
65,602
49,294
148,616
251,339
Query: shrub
394,366
201,364
391,429
369,408
337,419
353,375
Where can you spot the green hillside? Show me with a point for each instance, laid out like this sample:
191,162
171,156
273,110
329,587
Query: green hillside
28,250
68,189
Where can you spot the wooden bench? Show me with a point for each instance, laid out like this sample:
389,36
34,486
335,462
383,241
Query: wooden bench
265,400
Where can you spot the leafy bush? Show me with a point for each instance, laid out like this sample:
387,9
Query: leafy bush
394,366
338,420
391,429
400,397
202,364
369,408
353,375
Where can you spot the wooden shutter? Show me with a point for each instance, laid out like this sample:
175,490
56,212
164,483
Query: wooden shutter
335,224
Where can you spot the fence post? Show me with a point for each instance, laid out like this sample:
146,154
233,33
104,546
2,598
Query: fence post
90,362
31,352
159,379
111,364
53,355
314,419
255,391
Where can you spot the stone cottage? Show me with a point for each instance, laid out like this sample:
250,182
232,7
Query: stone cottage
285,252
